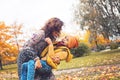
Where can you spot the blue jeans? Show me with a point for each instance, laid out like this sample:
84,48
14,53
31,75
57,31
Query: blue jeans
29,73
28,70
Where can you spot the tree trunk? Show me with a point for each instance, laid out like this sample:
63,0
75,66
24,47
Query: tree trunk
96,43
1,68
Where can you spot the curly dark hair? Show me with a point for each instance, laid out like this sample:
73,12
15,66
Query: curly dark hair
53,24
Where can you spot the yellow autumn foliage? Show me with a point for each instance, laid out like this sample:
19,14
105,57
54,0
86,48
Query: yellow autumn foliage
8,51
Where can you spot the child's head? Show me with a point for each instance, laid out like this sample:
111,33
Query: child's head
70,41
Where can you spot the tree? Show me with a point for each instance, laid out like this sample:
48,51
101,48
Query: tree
109,16
100,17
1,63
8,51
16,31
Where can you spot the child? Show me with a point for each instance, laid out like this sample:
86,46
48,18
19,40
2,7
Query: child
50,60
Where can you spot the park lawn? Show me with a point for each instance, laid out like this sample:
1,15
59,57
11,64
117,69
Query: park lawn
9,68
94,59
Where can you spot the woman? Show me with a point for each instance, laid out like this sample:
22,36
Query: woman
33,47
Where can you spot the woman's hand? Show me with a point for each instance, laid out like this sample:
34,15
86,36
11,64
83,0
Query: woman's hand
48,40
38,64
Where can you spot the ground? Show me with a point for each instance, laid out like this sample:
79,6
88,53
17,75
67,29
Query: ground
106,72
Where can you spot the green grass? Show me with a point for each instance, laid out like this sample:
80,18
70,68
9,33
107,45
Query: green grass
11,67
94,59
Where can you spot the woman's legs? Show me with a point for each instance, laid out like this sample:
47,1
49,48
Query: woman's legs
20,61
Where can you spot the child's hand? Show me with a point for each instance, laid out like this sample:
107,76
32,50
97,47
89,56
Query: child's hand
48,40
38,64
